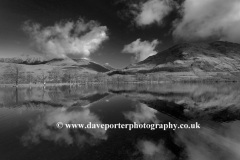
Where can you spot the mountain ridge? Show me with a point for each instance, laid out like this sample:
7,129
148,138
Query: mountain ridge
60,62
190,61
187,50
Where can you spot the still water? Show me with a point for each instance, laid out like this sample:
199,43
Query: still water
28,117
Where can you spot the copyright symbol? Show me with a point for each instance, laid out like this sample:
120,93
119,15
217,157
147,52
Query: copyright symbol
59,125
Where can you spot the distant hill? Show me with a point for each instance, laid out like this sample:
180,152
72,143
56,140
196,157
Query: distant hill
216,56
218,59
62,63
109,67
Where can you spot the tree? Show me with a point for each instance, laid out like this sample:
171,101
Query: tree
29,77
55,75
43,77
14,73
66,77
70,76
73,75
140,77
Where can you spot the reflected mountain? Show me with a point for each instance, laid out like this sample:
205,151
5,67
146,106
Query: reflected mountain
219,102
64,96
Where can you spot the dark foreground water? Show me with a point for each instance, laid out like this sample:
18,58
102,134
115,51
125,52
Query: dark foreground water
28,118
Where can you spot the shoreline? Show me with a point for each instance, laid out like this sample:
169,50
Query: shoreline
104,83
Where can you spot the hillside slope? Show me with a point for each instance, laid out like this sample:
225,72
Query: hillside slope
33,63
217,60
216,56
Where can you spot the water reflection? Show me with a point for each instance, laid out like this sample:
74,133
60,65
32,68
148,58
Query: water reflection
154,150
207,143
43,127
28,117
186,101
142,114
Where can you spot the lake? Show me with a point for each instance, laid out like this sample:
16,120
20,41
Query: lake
28,118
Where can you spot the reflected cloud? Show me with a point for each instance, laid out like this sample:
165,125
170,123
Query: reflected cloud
154,151
44,128
211,144
142,114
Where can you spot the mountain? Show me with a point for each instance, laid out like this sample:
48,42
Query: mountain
192,61
108,66
63,63
85,63
216,56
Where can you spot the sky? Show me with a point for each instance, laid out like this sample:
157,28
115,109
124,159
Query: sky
116,32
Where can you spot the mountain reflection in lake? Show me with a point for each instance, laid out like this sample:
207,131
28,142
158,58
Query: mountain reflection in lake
28,117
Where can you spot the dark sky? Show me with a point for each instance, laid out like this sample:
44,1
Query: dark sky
110,13
116,15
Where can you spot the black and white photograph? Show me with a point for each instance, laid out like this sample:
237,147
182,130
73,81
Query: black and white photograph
119,79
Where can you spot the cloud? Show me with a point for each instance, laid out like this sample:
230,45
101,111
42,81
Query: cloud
141,49
206,19
76,38
142,114
152,11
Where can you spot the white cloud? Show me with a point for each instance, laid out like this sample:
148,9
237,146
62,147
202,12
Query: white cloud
78,38
141,49
152,11
204,19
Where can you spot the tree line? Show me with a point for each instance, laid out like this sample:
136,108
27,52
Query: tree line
16,74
